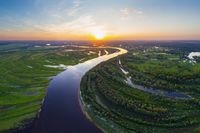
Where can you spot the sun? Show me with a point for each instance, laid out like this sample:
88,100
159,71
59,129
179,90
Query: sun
99,35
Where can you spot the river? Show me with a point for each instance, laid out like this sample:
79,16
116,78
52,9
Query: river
61,111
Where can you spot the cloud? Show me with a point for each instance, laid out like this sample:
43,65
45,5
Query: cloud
83,24
75,8
126,12
76,3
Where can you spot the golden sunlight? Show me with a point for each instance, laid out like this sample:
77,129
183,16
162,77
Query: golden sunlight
99,35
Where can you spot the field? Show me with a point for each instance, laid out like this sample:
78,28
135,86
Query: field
25,77
162,95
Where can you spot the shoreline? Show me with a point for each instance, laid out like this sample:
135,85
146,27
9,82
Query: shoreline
85,113
81,102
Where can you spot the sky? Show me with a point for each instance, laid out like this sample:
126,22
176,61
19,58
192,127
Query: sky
86,19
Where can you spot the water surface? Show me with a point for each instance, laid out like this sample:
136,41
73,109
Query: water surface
61,111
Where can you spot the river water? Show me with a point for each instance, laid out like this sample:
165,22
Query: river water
61,111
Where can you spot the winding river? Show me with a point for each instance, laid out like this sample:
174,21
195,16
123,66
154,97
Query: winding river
61,111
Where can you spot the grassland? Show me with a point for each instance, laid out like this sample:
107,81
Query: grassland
117,107
24,78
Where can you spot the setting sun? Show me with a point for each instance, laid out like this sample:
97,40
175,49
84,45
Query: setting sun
99,35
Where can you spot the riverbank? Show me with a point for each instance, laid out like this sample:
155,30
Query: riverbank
81,102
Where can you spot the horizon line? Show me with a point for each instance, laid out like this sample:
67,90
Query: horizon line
99,40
